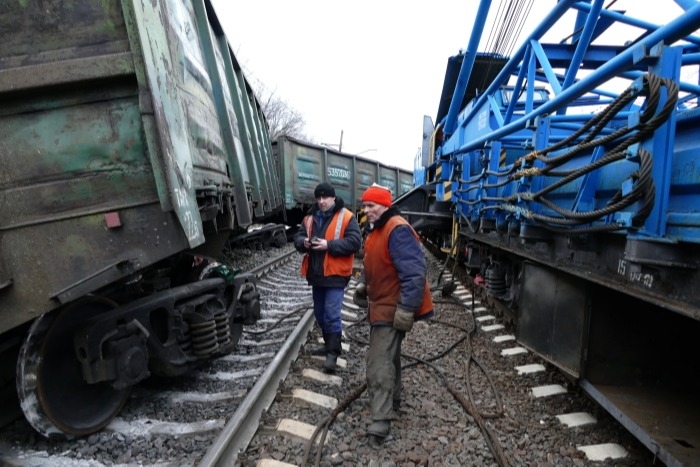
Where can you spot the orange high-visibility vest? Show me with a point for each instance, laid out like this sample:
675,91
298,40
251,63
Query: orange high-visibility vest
383,286
332,265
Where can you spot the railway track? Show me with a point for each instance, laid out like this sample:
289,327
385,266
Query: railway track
472,396
475,398
176,421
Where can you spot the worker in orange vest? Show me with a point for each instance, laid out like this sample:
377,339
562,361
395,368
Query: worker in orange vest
329,236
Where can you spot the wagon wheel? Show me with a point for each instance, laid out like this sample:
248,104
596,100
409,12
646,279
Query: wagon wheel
54,397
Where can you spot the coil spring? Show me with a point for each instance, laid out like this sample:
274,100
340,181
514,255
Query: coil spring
204,338
496,281
185,342
223,330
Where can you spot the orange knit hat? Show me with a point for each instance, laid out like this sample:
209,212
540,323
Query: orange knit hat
377,194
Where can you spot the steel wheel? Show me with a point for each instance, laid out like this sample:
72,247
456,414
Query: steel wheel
54,397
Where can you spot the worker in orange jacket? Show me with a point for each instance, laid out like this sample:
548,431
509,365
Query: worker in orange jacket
394,285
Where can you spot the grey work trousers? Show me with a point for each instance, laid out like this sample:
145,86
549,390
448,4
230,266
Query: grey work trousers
384,371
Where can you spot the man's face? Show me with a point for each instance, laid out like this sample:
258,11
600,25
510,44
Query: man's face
374,211
325,202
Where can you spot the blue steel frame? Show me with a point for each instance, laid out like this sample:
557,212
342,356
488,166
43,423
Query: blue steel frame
492,124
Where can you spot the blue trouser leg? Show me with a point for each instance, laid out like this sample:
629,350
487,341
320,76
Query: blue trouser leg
334,306
319,296
328,303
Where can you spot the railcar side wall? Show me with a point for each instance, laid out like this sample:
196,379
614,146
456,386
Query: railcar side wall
303,165
128,134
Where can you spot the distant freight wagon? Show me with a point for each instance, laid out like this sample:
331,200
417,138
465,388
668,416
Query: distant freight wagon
301,166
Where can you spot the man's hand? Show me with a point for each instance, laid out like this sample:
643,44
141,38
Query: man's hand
359,298
403,319
319,244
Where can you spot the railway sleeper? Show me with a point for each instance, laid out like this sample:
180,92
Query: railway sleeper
624,351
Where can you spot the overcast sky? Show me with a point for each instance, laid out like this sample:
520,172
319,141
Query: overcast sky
371,69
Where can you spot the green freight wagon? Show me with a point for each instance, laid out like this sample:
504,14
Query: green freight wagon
131,147
302,166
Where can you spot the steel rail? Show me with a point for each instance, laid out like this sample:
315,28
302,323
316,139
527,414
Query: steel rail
239,431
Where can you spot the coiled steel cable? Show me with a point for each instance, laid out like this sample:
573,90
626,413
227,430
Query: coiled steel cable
650,119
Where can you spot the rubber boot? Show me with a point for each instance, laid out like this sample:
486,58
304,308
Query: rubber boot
379,428
321,349
333,346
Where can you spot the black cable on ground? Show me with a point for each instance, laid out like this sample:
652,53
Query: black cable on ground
490,436
295,311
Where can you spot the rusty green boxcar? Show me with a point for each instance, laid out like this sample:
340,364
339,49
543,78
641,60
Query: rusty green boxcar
302,166
131,146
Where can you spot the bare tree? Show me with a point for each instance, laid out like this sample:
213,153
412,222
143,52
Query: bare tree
282,119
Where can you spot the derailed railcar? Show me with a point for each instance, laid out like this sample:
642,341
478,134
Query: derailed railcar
302,166
576,207
131,147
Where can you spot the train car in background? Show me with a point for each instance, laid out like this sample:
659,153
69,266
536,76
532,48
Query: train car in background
565,177
301,166
131,148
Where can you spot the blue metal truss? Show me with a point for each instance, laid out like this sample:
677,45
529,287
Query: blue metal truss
514,155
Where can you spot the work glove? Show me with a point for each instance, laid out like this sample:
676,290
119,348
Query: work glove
359,298
403,319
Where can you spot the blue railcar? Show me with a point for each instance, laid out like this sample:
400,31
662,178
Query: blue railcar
566,175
